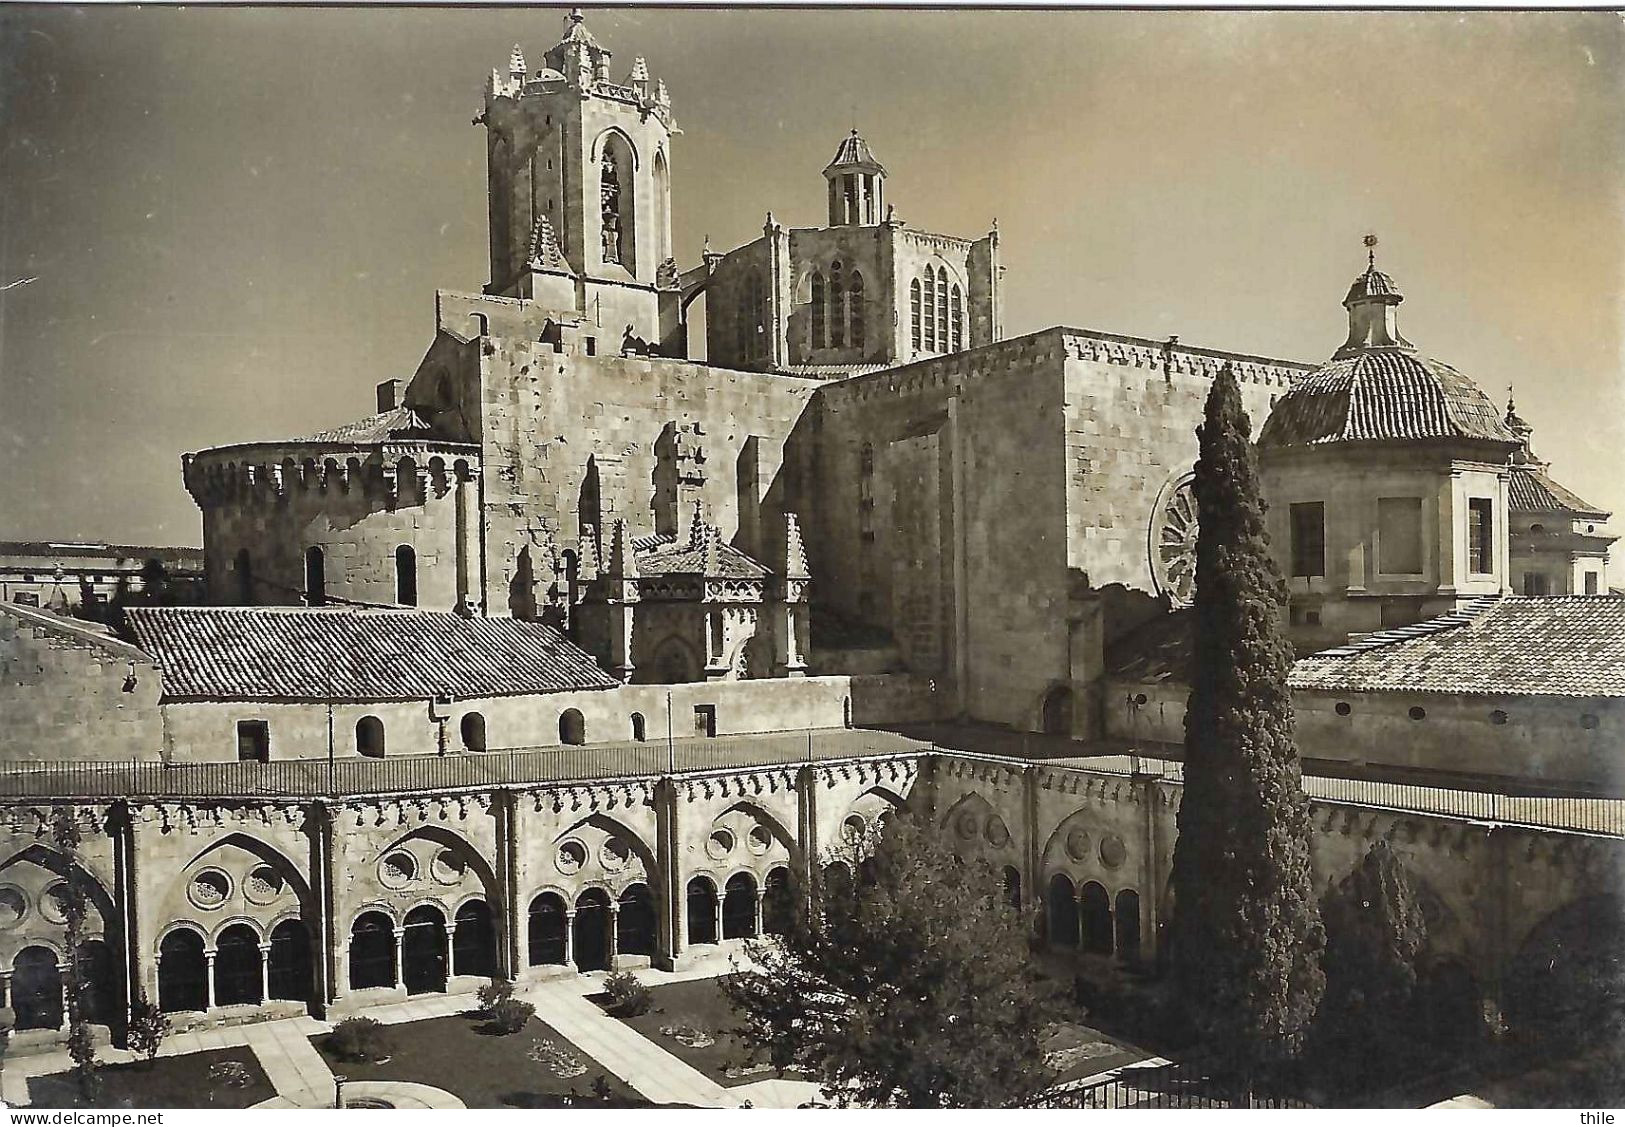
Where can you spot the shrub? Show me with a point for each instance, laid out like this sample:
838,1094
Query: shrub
360,1039
147,1029
494,993
510,1015
627,996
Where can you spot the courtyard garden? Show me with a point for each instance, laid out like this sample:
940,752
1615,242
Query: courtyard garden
694,1022
534,1067
217,1078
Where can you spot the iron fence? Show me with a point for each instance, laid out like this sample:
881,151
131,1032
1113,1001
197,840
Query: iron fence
1159,1087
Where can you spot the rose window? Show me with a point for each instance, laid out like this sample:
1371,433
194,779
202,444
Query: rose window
209,888
264,885
1173,542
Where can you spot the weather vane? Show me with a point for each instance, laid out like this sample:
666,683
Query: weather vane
1370,250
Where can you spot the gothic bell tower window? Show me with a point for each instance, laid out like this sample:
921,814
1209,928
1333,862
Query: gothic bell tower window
610,191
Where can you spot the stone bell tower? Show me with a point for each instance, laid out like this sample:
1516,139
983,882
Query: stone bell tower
580,185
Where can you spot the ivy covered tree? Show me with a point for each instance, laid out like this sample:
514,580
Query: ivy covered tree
76,990
1247,932
907,987
1374,933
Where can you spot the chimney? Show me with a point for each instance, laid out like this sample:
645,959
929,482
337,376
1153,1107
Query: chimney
389,395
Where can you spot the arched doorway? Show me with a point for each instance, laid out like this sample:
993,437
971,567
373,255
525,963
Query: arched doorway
778,904
1128,925
472,727
36,989
290,971
546,942
635,922
591,933
99,977
372,952
702,911
1056,712
369,737
1063,912
1095,915
572,728
739,907
237,967
1012,886
474,941
423,951
183,982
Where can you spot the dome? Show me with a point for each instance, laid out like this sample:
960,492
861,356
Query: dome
1373,284
854,153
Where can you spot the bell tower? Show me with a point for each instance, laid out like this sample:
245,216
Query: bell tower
857,185
579,184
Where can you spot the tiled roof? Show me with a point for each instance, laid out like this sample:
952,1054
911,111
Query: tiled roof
402,422
830,371
1516,646
1530,490
661,555
1159,650
74,549
74,630
854,151
1373,283
277,653
1383,393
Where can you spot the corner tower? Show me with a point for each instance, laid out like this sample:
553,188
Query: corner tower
580,185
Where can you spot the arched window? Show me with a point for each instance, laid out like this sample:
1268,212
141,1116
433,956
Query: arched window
315,577
930,310
615,212
662,209
572,728
956,314
914,314
855,309
473,729
183,976
406,576
818,299
638,727
837,307
942,309
369,737
243,569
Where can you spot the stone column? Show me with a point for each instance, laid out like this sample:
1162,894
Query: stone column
451,965
62,973
400,964
569,937
672,938
265,973
759,898
208,970
720,898
612,941
5,988
1083,925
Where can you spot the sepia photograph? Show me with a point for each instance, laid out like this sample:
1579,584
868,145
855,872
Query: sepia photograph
828,557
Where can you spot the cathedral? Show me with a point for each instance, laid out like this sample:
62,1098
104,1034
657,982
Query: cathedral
578,652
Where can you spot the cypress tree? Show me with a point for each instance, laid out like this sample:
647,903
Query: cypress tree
1247,931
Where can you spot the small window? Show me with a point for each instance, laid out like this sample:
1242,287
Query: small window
406,576
638,727
705,720
1535,583
1309,539
592,346
1418,713
315,578
572,728
253,741
1399,530
1591,583
1344,708
1498,717
1537,528
473,731
1480,535
369,737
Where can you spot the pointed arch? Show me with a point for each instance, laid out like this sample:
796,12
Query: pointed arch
856,329
930,310
662,207
942,309
268,854
612,827
465,850
819,297
914,315
956,313
617,162
837,306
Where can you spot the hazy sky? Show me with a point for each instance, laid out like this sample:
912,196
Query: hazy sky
236,219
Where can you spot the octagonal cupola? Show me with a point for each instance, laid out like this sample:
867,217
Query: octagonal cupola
857,184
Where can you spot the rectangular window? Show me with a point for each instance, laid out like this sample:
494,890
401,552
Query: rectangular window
253,741
1309,539
1399,527
1480,535
1534,583
1591,583
705,720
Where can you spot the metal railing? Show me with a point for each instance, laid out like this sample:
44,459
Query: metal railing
1158,1087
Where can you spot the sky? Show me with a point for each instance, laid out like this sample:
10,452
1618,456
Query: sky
226,225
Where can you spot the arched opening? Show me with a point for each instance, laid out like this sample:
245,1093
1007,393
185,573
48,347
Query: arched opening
423,951
856,328
98,976
372,951
778,902
702,911
183,983
739,907
36,988
638,728
474,941
674,663
291,966
836,879
1012,886
572,728
1063,912
617,210
237,967
315,577
819,299
472,727
1128,925
547,946
591,937
635,921
369,737
914,336
662,209
1095,911
1569,975
406,576
1056,712
242,569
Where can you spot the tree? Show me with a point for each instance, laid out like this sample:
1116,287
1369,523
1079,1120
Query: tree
147,1029
1374,932
76,990
909,987
1247,931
